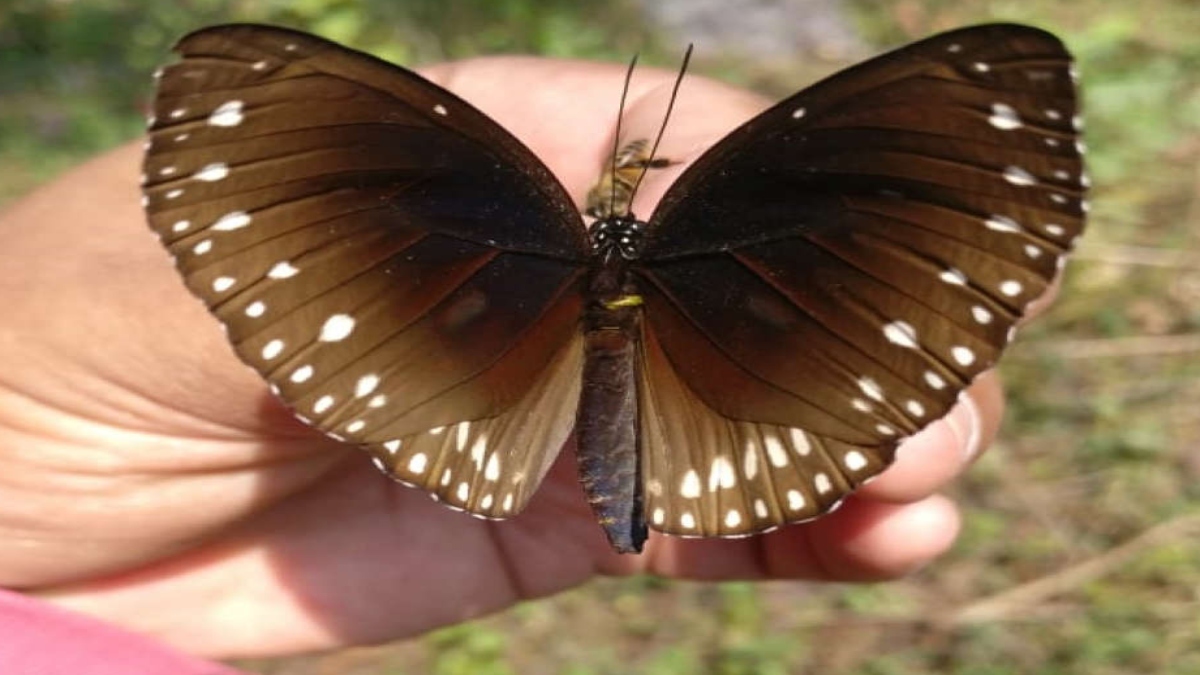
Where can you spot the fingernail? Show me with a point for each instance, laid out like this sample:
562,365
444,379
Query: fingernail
966,424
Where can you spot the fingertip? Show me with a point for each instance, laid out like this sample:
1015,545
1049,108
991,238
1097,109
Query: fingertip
875,542
944,449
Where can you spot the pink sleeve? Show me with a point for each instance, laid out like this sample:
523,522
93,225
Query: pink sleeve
36,637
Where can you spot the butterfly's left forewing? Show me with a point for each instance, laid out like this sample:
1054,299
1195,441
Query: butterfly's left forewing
829,277
396,265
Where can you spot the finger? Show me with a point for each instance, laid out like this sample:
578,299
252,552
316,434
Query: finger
862,541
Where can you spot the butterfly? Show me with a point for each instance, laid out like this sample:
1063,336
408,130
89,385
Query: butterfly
821,283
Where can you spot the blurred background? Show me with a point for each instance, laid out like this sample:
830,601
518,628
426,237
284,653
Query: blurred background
1081,546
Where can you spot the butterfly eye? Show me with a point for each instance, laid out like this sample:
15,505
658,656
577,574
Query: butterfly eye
823,282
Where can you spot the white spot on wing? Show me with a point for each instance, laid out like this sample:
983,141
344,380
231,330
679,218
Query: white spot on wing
323,404
775,451
272,349
854,460
1004,117
233,220
365,385
871,388
212,172
255,309
659,516
222,284
953,277
1018,176
228,114
492,471
962,355
689,487
282,270
733,518
800,443
1001,223
822,483
301,374
750,465
901,333
337,328
1011,287
934,380
795,500
721,474
417,463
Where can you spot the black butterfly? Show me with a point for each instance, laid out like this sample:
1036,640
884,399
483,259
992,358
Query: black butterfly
823,282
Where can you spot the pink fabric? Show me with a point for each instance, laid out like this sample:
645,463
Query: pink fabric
39,639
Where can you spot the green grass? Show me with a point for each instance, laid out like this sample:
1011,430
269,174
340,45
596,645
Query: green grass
1080,547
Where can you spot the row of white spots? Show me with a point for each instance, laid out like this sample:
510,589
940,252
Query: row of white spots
796,501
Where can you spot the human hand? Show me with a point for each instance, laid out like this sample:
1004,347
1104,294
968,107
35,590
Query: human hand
152,481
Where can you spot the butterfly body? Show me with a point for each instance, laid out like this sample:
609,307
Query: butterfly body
823,282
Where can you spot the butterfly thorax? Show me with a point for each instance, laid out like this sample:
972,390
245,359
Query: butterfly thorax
617,235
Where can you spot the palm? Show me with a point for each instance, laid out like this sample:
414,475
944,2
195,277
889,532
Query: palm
147,468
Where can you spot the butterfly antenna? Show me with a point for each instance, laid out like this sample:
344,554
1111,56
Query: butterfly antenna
687,57
617,133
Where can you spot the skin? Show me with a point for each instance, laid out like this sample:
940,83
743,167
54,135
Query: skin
151,481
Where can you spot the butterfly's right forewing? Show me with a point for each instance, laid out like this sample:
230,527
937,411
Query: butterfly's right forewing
387,257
